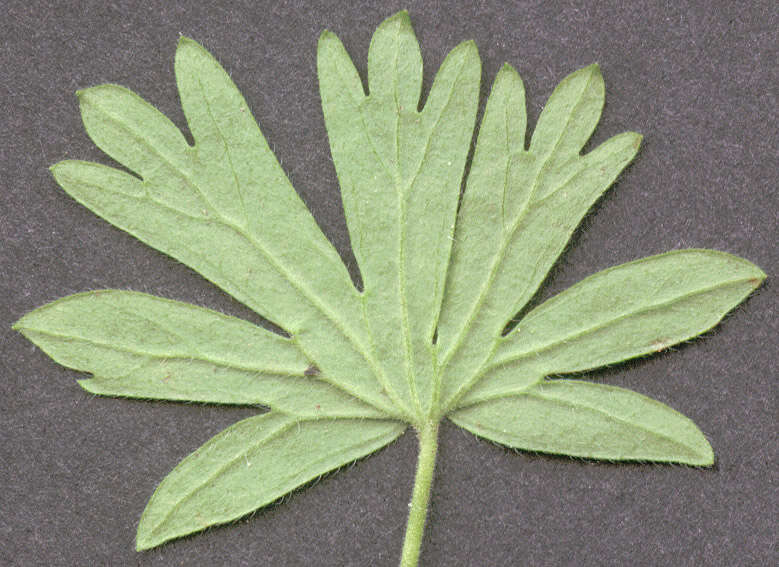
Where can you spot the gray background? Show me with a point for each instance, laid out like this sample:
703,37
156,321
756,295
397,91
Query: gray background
698,80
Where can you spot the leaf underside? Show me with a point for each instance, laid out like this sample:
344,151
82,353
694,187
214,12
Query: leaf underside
423,340
582,419
251,464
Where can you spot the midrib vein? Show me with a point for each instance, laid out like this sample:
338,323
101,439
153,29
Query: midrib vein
435,387
506,168
177,356
400,192
360,109
409,361
228,152
438,290
171,332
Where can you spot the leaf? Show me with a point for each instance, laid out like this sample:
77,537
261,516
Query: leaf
400,172
223,207
251,464
142,346
519,209
423,339
571,417
625,311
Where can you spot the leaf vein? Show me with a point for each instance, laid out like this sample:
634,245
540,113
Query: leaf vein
228,153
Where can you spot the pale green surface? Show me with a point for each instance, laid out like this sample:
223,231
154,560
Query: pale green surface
519,210
226,209
143,346
625,311
582,419
250,464
400,172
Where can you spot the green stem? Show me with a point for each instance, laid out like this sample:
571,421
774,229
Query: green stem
415,528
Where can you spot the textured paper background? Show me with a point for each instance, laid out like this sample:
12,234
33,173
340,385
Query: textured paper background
697,80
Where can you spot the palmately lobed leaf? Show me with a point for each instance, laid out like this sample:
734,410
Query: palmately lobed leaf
424,339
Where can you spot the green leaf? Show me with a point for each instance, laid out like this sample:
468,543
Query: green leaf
632,309
569,116
224,208
141,346
251,464
519,209
400,172
571,417
625,311
423,339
